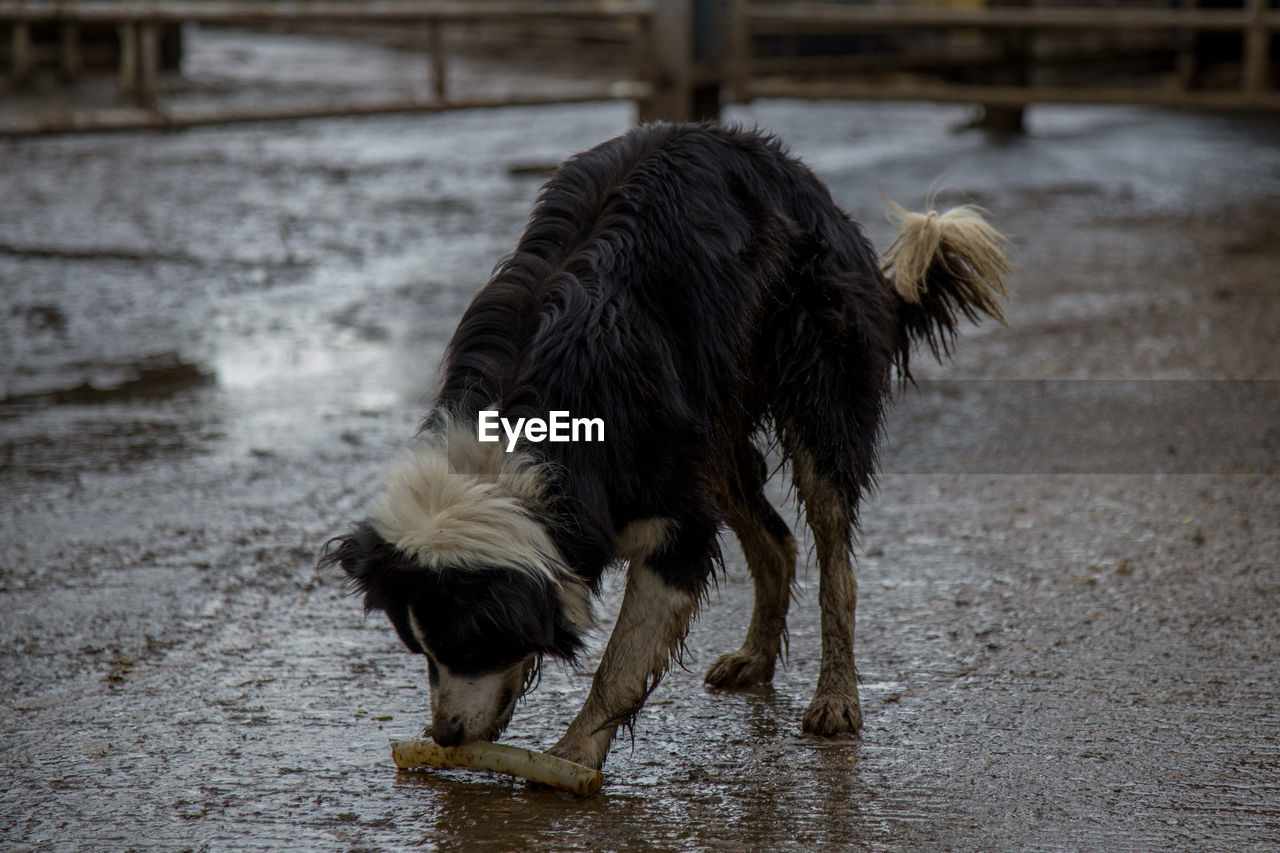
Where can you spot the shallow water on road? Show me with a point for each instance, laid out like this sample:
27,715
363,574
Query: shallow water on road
214,340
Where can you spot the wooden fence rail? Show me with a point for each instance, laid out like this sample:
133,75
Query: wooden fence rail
655,28
1254,22
312,11
775,18
659,71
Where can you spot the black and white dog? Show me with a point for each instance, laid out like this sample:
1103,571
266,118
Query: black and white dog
697,290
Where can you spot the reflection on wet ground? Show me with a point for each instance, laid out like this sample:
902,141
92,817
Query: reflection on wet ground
152,376
212,342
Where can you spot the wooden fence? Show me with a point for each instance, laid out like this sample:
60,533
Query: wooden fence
1254,22
659,70
653,72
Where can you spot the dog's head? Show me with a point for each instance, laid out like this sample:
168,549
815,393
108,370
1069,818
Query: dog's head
469,577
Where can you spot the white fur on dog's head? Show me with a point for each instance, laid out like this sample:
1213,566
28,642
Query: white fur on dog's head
454,503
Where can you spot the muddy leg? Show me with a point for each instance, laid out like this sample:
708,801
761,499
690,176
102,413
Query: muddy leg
651,626
834,709
771,558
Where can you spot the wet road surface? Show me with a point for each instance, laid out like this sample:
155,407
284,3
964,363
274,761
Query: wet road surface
1069,625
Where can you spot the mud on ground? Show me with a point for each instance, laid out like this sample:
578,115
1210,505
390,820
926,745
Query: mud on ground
1068,628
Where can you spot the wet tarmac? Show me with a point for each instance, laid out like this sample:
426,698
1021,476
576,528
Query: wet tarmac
1069,625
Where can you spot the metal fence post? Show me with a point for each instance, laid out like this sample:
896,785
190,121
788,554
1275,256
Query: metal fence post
670,63
708,58
20,51
148,63
70,55
1257,46
128,35
738,51
435,45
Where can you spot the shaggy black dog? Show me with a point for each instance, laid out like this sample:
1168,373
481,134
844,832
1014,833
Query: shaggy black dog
697,290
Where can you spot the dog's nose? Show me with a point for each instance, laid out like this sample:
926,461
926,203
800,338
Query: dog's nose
447,732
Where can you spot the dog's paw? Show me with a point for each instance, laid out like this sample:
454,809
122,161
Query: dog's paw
740,669
578,753
831,714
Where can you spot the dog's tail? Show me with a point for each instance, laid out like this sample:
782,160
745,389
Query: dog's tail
942,267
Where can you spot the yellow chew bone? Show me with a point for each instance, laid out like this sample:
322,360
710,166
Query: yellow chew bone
500,758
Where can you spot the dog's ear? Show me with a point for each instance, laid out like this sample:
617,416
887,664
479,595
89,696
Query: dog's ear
371,563
528,609
566,640
487,617
491,611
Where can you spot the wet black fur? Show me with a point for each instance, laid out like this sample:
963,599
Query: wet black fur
506,615
699,290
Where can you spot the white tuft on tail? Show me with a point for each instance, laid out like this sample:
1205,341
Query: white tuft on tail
957,253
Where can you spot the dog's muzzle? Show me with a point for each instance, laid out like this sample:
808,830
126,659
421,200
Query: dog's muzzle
448,732
467,708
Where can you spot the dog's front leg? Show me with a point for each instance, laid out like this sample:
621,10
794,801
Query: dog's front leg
650,630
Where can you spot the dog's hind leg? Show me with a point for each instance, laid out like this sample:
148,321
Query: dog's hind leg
834,709
770,550
661,596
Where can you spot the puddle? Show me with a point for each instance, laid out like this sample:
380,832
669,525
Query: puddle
150,377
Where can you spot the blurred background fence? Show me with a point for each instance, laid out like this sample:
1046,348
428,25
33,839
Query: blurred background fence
677,59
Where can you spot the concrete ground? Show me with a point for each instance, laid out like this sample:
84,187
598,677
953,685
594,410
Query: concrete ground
1069,625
